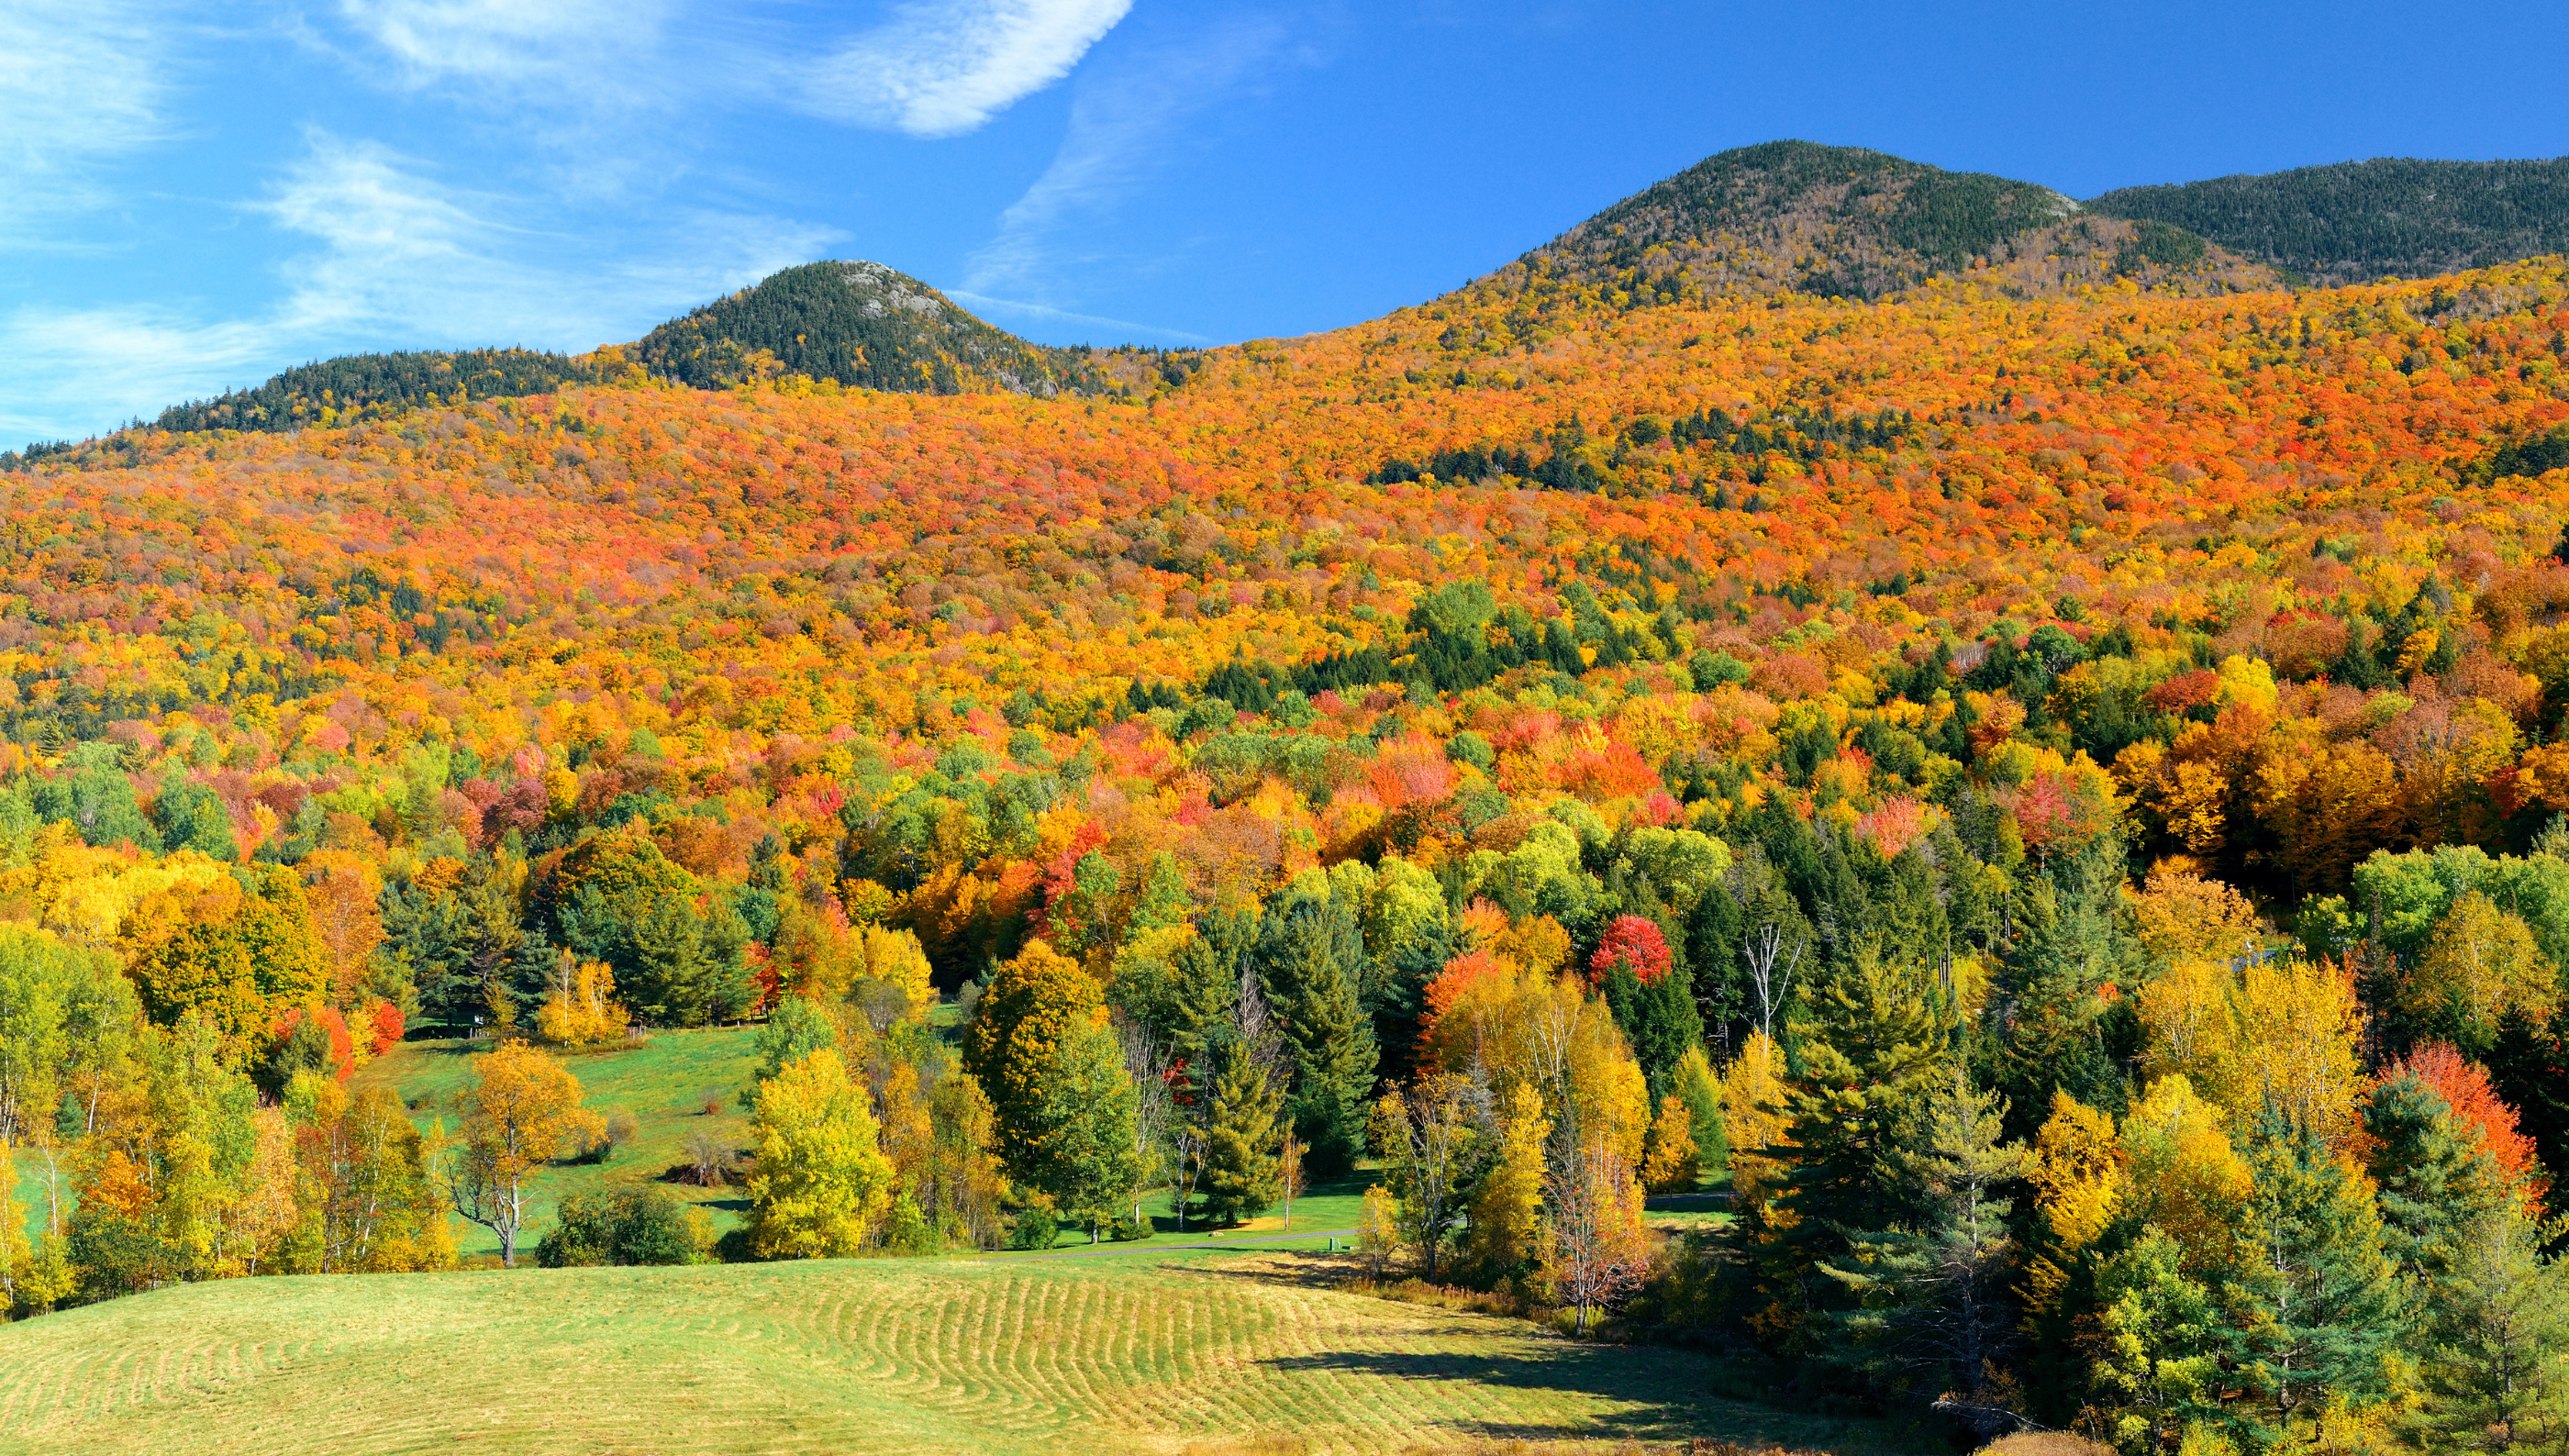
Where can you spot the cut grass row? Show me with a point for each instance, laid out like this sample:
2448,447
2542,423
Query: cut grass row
1162,1353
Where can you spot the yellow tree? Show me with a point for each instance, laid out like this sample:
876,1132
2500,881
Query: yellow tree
1752,1119
2480,965
823,1184
520,1111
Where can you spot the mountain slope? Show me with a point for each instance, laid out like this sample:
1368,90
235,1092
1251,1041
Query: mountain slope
354,386
1797,217
864,326
2356,221
860,324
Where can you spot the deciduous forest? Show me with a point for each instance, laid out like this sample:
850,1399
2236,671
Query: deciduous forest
2047,787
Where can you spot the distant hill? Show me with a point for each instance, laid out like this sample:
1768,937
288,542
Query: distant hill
857,324
864,326
2358,220
1797,217
357,385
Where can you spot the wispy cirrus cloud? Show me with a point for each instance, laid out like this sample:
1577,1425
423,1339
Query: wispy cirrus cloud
926,68
389,251
585,44
945,69
80,81
1122,122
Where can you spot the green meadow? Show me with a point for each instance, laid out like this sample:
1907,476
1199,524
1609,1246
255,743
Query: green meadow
1158,1352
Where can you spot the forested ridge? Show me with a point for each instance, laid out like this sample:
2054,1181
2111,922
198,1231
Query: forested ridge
856,324
2058,798
2354,221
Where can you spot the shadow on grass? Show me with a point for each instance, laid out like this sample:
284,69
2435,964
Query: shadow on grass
1661,1393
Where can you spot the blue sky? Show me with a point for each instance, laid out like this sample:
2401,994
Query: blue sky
193,197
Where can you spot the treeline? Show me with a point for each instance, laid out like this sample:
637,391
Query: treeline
373,385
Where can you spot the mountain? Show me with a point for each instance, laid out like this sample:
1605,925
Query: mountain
357,386
2356,221
1797,217
864,326
859,324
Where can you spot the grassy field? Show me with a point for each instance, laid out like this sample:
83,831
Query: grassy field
664,1083
1159,1351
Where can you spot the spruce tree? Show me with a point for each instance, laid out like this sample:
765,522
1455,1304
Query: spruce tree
2496,1370
1310,954
2324,1292
1241,1139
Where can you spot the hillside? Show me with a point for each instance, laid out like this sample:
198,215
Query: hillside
1486,685
1212,1357
360,386
2356,221
863,326
1838,221
856,324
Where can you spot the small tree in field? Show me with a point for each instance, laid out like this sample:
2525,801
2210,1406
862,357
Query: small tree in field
1379,1228
1289,1174
1429,1139
822,1182
521,1112
1595,1249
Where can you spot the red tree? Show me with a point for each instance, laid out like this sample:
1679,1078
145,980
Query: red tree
1633,944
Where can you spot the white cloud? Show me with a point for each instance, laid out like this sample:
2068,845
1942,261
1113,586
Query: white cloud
1120,123
81,81
396,256
942,70
511,41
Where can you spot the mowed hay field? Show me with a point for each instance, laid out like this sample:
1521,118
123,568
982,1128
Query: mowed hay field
892,1356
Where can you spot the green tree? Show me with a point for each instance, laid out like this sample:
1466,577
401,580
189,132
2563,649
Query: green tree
1240,1138
2498,1368
1931,1294
2164,1336
623,1225
1084,1152
1874,1048
2323,1295
1311,955
191,817
2435,1179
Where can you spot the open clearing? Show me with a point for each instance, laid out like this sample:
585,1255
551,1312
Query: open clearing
1203,1353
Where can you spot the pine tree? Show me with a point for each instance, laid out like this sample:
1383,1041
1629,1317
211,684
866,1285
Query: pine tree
1875,1045
1240,1138
2325,1295
1311,954
1932,1292
2494,1373
2437,1182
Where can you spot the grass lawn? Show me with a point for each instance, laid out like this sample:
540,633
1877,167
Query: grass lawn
664,1083
1206,1354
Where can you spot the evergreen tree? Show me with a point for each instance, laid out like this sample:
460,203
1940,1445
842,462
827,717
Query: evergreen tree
1874,1046
1932,1293
1241,1139
2325,1298
1659,1018
2497,1369
2437,1182
1311,954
